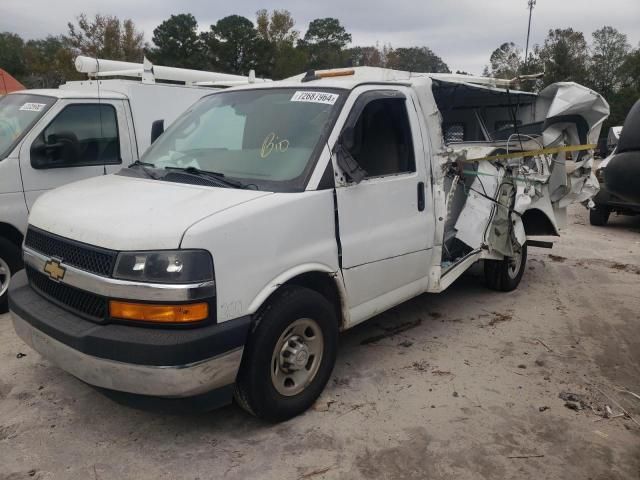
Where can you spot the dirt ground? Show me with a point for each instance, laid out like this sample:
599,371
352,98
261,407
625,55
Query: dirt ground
460,385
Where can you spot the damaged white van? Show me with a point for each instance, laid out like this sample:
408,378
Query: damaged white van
269,218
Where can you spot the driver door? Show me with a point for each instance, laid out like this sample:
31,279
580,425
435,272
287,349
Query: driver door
386,222
77,139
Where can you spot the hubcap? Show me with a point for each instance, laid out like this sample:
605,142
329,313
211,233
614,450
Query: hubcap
514,264
5,275
297,357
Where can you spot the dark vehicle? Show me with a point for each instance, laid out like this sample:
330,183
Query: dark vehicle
619,174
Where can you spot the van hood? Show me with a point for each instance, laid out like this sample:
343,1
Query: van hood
127,213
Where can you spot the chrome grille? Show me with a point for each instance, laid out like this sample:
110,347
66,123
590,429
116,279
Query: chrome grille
85,257
86,304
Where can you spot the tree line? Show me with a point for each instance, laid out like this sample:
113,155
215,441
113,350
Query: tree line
273,47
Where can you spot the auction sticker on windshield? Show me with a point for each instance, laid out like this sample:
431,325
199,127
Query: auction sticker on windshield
315,97
32,107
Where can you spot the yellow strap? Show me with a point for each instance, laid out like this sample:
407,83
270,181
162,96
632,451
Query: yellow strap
532,153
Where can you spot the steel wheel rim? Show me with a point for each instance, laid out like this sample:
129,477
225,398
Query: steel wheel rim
5,276
297,357
514,264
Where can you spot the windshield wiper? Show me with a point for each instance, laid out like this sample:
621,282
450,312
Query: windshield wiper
144,166
215,176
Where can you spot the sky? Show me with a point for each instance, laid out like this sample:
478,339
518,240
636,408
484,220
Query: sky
462,32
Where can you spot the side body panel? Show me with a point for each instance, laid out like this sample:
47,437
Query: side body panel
159,102
13,209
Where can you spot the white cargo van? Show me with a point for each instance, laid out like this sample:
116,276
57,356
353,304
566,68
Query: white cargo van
269,218
83,129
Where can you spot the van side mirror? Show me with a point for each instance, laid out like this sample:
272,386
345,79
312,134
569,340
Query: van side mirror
56,150
345,159
157,129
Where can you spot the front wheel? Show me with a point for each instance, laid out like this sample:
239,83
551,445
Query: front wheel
10,263
505,275
289,355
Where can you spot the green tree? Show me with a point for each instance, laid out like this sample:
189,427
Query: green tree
105,36
276,27
366,56
416,59
506,61
324,42
623,98
11,54
630,70
178,44
288,61
565,56
234,46
279,57
610,50
131,42
49,63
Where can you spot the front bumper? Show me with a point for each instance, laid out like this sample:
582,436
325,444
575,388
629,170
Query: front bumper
139,360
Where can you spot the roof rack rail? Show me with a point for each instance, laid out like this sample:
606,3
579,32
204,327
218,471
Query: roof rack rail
149,73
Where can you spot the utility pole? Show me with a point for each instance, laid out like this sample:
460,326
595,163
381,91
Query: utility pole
531,4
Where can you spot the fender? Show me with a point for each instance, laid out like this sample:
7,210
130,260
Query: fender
540,218
13,216
294,272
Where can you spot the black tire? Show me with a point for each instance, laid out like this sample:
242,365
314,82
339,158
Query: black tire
599,215
500,275
10,256
255,389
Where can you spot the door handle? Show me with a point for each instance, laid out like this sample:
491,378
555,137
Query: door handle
420,196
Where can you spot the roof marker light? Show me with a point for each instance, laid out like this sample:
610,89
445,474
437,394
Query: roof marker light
313,75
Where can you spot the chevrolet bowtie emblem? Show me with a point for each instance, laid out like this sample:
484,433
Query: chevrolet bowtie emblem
55,270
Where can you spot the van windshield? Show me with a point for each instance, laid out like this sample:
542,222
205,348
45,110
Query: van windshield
269,138
18,112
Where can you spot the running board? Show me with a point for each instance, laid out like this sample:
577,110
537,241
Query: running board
539,244
452,274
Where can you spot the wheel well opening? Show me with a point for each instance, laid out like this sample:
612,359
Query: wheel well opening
11,233
325,285
536,222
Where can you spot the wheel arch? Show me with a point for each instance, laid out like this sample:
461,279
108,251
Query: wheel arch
317,277
11,233
537,222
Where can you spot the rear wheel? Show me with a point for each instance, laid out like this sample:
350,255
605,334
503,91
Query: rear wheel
10,263
289,356
599,215
505,275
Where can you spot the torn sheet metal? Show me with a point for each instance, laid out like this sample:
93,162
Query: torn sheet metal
489,121
521,171
474,218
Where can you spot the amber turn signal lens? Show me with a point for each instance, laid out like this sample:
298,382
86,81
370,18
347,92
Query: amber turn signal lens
193,312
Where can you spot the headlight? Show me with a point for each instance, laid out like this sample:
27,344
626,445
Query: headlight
170,266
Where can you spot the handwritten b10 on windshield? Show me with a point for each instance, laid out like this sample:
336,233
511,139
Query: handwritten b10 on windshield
273,143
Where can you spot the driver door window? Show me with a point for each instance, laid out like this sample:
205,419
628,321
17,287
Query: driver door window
81,135
382,139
